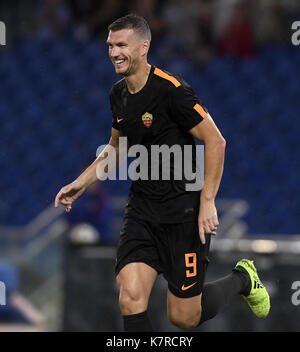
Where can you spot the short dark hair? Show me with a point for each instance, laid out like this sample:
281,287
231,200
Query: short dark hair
132,21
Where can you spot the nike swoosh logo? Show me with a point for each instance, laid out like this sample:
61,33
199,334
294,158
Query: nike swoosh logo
119,120
184,288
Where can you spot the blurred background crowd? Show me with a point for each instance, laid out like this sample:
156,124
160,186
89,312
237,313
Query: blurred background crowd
199,29
54,113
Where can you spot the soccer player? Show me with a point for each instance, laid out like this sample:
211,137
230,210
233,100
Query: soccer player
166,229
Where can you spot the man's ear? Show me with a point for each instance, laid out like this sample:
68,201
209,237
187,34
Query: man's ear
145,48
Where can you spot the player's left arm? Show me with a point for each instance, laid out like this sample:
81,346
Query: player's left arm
191,115
214,154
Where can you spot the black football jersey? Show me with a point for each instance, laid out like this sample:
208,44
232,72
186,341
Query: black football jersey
161,113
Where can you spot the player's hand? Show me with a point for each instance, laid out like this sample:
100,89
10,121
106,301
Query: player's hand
68,194
207,219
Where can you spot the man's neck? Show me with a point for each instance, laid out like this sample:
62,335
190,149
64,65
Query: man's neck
137,81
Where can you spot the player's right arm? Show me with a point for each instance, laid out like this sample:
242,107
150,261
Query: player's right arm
69,193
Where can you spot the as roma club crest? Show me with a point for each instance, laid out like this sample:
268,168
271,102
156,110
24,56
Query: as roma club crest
147,119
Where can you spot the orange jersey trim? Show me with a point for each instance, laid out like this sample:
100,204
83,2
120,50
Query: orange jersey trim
200,110
164,75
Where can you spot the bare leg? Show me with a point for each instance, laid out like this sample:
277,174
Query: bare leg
135,281
184,312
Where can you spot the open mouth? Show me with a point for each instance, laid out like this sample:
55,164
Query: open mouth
120,62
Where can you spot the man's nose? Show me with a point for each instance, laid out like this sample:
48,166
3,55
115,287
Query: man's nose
114,52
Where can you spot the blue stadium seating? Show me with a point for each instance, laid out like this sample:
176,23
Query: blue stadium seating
54,113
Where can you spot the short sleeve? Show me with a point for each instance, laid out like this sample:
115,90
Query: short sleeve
187,110
113,110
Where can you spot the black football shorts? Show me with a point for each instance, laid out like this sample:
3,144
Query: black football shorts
175,250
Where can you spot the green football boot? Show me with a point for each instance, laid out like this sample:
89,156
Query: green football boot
258,299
